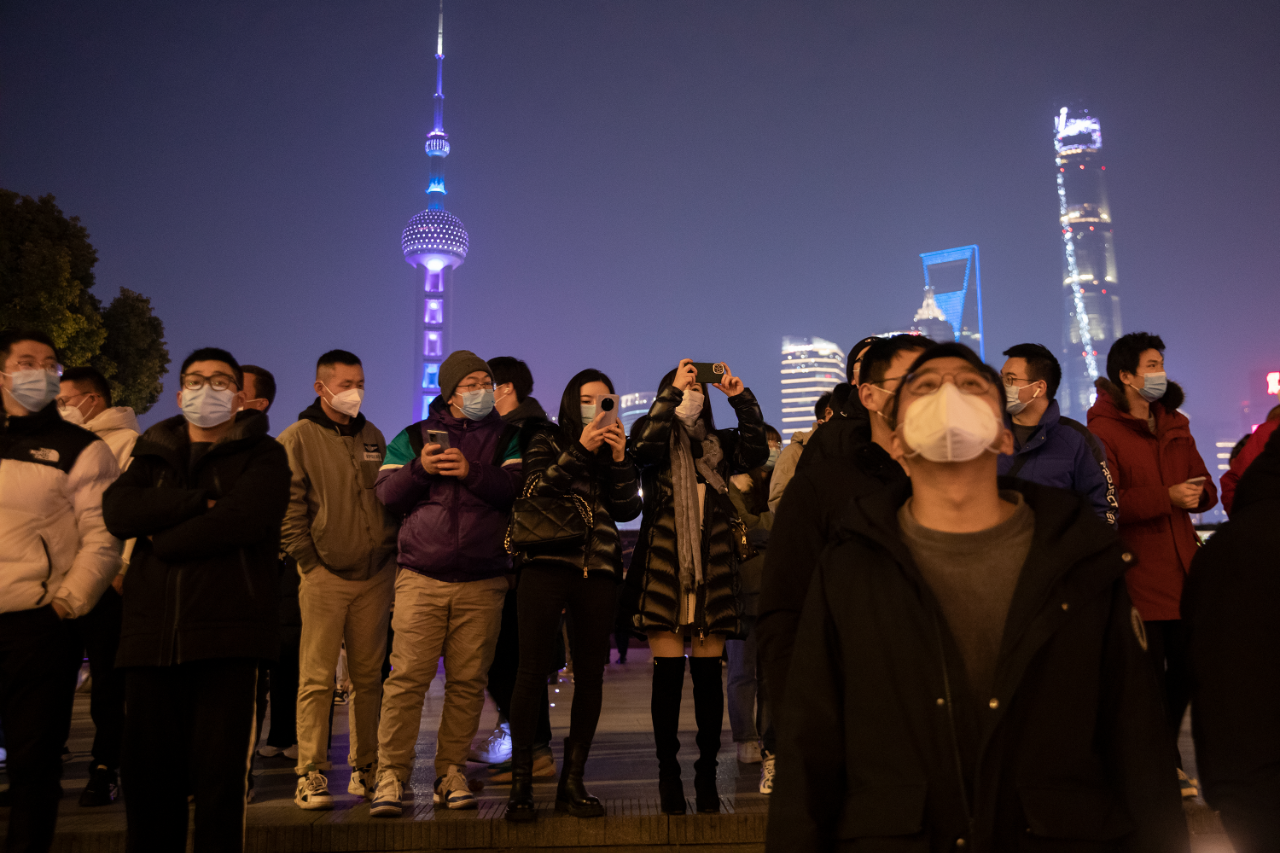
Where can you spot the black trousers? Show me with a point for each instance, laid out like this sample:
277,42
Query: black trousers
39,658
544,591
202,713
1167,646
100,636
278,682
506,663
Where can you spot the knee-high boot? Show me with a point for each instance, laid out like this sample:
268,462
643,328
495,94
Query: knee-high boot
708,711
664,705
520,802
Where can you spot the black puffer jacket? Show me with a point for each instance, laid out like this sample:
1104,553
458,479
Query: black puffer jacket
882,748
204,582
654,574
1229,609
612,489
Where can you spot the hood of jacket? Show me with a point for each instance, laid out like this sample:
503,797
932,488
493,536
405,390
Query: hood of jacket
530,409
1113,403
315,412
117,417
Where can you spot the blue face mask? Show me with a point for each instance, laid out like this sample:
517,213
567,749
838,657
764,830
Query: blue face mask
477,404
1153,386
589,411
34,389
774,453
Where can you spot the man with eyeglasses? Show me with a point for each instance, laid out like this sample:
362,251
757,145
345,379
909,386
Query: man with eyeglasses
204,496
1049,448
969,672
56,559
85,399
452,479
852,461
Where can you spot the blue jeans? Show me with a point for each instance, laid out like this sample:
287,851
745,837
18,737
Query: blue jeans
749,715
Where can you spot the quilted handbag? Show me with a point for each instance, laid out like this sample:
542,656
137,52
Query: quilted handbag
542,520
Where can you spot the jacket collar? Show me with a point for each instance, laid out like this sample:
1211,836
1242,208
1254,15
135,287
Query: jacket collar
315,412
171,440
34,423
530,409
117,417
1039,435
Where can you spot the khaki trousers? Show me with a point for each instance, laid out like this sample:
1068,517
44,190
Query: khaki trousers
334,608
459,621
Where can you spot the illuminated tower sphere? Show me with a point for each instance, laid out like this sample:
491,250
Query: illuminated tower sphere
435,241
1090,290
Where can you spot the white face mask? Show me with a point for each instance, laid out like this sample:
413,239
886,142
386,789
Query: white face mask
72,414
348,402
950,426
1012,404
691,406
207,407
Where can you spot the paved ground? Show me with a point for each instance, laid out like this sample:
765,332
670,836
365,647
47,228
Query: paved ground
622,772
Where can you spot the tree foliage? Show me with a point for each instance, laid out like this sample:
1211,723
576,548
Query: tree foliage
46,272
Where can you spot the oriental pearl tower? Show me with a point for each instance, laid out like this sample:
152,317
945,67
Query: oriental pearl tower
435,241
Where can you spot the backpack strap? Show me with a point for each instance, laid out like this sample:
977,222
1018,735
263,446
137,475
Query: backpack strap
510,432
416,442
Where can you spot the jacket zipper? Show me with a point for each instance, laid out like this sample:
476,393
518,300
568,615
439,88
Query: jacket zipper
48,560
951,721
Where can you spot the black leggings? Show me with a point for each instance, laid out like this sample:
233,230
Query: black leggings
545,590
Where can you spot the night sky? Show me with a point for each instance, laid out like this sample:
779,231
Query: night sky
646,181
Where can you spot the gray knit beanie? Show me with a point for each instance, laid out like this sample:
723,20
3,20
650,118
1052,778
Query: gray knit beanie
456,367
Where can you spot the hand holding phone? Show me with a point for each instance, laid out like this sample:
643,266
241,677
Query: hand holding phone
608,407
708,372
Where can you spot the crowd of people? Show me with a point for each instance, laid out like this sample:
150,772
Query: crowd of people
953,617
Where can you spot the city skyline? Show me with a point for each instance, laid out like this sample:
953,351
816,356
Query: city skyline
811,367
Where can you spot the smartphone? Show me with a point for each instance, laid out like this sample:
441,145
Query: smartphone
1196,481
709,372
438,436
610,405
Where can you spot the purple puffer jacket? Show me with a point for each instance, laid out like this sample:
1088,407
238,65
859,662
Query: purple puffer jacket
453,529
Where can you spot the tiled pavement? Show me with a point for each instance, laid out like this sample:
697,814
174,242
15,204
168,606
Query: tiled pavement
622,772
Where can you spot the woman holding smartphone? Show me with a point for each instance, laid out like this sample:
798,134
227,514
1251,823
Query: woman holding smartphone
586,455
684,570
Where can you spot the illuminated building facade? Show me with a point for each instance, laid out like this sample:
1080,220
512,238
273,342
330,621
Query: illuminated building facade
436,242
1089,286
634,407
810,368
952,308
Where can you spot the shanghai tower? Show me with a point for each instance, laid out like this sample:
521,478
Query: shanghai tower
1091,294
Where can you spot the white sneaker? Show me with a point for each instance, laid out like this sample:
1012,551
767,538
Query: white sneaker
364,782
386,800
497,748
454,791
313,792
749,752
766,772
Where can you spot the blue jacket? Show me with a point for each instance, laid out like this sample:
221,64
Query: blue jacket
1063,453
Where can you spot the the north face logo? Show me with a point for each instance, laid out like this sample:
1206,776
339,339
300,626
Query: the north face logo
44,454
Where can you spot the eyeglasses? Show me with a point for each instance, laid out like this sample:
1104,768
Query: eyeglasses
63,402
876,385
28,363
1009,380
466,389
219,381
966,381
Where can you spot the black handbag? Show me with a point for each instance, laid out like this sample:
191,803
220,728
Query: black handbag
539,521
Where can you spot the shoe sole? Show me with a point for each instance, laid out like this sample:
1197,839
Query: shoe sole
386,810
313,806
465,804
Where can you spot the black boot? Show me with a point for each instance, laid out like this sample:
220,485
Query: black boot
664,705
572,796
708,711
520,803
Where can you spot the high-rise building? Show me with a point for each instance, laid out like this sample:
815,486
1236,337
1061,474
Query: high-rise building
810,367
634,407
436,242
952,308
1090,290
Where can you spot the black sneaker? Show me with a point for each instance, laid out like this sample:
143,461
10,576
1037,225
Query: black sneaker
103,787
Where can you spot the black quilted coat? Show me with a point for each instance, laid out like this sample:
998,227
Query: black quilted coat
612,489
654,574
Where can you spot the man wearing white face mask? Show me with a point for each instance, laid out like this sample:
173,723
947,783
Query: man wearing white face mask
56,559
1049,448
967,672
1160,481
204,497
344,541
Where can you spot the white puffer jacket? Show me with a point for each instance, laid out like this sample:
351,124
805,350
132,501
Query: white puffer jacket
118,427
53,543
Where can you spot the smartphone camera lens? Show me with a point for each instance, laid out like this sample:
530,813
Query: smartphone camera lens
606,405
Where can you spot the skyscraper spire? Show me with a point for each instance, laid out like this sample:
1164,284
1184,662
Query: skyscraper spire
437,140
436,242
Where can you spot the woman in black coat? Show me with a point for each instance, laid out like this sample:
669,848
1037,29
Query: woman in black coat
684,571
585,456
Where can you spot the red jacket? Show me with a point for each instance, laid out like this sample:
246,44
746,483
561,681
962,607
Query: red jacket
1144,467
1252,448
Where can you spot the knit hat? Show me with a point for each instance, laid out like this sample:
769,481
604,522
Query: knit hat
456,367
